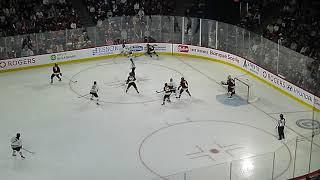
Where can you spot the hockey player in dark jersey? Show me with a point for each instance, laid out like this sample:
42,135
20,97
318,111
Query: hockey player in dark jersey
167,92
16,145
56,72
183,87
231,86
131,82
133,65
150,50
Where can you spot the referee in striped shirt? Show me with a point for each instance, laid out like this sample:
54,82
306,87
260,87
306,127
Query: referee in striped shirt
281,124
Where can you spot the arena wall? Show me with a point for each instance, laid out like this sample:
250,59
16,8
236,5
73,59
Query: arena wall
112,51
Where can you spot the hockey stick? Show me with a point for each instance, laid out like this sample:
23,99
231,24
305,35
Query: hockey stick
28,151
112,83
83,95
159,91
70,79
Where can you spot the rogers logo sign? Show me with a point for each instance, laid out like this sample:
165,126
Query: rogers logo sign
183,48
7,64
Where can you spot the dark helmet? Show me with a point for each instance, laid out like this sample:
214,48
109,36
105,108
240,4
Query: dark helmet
94,82
281,115
165,84
18,135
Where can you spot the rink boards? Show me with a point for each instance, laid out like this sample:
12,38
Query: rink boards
103,52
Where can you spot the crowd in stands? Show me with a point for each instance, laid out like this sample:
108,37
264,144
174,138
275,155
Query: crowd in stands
34,16
102,9
295,26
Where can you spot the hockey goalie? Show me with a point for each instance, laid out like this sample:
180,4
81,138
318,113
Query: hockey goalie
231,86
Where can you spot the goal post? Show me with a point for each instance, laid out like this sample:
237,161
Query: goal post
244,89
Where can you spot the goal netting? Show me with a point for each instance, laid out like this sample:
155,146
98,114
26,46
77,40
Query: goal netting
244,89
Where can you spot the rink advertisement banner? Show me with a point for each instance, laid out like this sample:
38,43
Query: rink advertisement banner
18,62
249,67
162,47
64,56
287,86
210,53
106,50
317,102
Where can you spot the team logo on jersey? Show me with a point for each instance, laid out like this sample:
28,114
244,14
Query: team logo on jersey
53,57
136,48
183,48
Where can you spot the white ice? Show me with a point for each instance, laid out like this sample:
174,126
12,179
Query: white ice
132,137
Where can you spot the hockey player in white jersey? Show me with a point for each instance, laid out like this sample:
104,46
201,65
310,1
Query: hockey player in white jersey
172,86
126,50
94,92
167,92
16,145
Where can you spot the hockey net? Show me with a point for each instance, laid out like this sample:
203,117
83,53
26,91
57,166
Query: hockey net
244,89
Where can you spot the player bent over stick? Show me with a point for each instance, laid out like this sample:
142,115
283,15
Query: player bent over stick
150,50
131,82
16,145
184,87
231,86
94,92
56,72
167,92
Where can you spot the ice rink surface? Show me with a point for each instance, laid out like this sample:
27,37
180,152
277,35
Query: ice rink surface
131,136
